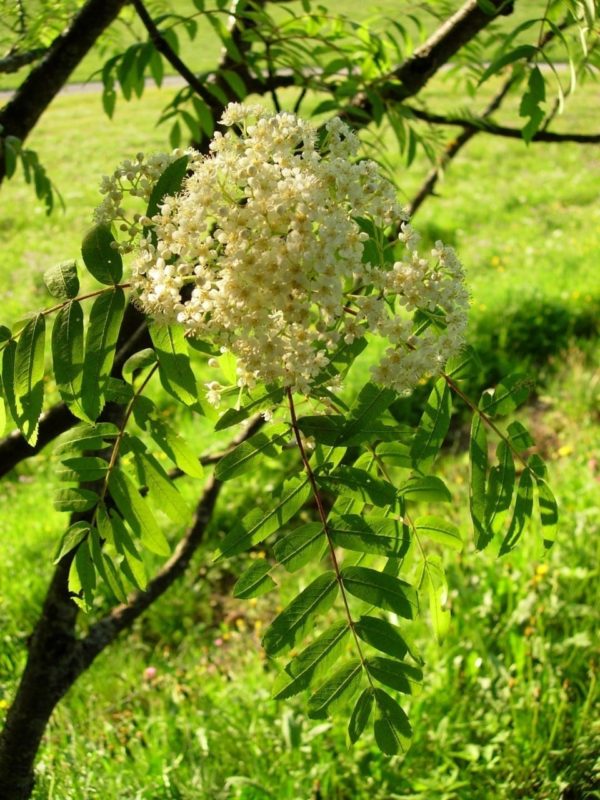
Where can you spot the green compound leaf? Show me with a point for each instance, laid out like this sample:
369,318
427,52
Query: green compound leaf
381,536
75,500
169,183
71,539
548,512
360,715
67,356
137,513
440,531
478,458
295,620
382,635
510,393
257,525
112,529
300,547
82,577
392,728
521,513
82,469
171,444
100,257
370,404
255,581
103,329
427,488
174,368
433,426
106,568
242,458
395,674
313,662
29,376
381,590
358,484
337,691
62,281
161,489
86,437
523,51
501,485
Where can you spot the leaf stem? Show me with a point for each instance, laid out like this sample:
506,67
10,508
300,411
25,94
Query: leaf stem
323,517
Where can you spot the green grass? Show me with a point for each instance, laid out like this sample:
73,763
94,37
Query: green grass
509,707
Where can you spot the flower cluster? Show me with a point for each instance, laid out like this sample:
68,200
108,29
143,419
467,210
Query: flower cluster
263,253
135,178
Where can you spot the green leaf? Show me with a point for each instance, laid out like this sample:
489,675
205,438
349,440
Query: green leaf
440,531
478,456
82,469
435,582
360,715
101,340
242,458
171,444
500,488
255,581
5,334
257,525
548,512
29,377
359,484
371,402
62,281
381,590
112,529
433,426
100,257
397,455
75,500
161,489
337,691
312,662
2,410
105,567
524,51
381,536
137,362
169,183
324,428
510,393
381,635
86,437
427,488
296,619
519,436
71,538
521,512
394,674
67,356
137,513
175,370
82,577
392,728
300,547
233,416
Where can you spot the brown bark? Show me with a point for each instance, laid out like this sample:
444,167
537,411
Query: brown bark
19,116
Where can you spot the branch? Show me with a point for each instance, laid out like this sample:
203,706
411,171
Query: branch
411,76
106,630
46,79
480,124
452,150
14,61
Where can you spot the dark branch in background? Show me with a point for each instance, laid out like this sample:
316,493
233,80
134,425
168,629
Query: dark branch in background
14,61
482,125
20,115
411,76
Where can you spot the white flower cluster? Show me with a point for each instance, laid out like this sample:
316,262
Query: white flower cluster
263,253
135,178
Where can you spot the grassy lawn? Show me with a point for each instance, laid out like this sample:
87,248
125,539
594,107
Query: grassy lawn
509,707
